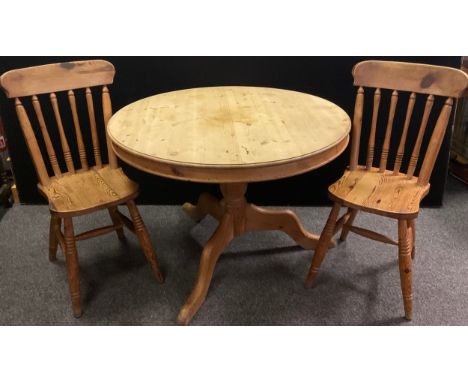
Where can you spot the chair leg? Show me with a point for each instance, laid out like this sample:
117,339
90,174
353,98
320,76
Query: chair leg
145,241
345,229
116,220
405,265
322,245
73,268
412,225
55,224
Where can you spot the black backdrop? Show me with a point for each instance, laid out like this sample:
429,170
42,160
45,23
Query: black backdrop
138,77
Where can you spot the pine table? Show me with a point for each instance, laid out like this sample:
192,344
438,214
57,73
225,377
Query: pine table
231,136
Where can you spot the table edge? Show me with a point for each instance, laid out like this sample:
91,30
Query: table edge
216,173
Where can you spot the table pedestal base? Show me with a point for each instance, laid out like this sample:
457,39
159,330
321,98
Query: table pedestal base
235,217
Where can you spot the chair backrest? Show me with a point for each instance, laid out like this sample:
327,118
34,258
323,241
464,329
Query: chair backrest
465,69
51,79
429,80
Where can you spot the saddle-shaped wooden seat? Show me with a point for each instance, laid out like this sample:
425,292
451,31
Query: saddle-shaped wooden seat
382,193
85,191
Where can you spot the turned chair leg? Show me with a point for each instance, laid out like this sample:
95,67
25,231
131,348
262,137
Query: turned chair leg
145,241
73,268
412,225
349,222
117,221
322,245
405,264
55,224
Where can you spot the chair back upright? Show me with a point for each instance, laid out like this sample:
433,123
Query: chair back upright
79,76
428,81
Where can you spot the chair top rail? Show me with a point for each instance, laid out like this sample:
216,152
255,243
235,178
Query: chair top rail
418,78
57,77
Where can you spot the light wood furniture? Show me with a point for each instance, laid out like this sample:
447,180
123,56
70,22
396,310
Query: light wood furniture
231,136
458,166
372,187
75,191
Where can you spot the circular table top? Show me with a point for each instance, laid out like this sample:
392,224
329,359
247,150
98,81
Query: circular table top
229,134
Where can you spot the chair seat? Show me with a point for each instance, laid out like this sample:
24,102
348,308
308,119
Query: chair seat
79,193
381,193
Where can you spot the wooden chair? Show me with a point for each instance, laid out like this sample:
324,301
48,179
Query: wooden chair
386,192
94,186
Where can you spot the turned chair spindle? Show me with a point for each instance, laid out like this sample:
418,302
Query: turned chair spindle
435,143
107,111
388,132
79,136
356,132
401,146
422,129
92,123
63,137
32,144
375,116
46,137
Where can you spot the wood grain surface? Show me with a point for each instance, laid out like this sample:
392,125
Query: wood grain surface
384,193
226,128
52,78
88,191
410,77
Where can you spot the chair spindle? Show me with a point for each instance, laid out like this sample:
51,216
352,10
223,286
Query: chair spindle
435,143
32,143
63,138
388,132
107,111
375,116
401,146
94,134
46,136
422,128
79,136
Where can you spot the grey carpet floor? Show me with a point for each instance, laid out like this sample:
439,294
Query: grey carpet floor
258,281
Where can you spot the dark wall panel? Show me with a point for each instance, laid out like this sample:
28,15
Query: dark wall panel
138,77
